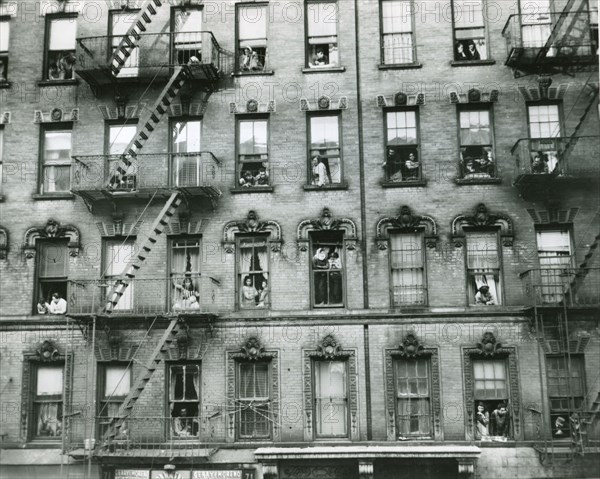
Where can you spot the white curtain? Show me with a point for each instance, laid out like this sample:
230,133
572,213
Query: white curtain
483,262
118,380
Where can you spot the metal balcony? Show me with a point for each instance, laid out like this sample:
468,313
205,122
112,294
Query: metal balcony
195,174
153,58
541,162
550,42
142,297
561,286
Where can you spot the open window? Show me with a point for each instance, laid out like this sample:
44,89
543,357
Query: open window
566,393
325,153
322,38
483,268
253,152
61,31
253,272
47,401
4,43
470,42
544,133
186,141
187,38
251,24
118,136
327,269
184,400
185,273
402,161
491,394
476,143
556,258
53,272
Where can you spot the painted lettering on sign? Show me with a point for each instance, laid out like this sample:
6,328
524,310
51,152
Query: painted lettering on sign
217,475
128,473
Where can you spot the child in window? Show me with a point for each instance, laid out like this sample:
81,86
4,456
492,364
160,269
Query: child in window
262,179
320,59
247,180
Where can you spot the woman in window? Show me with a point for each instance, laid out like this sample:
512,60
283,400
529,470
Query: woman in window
187,296
249,293
483,419
321,262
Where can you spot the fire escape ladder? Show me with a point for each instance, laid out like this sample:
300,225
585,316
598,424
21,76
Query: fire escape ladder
138,260
574,32
116,423
169,92
130,39
573,138
583,270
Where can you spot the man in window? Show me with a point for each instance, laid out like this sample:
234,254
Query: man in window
57,305
184,426
484,296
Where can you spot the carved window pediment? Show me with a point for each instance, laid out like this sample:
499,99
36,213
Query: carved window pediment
482,219
52,229
330,348
252,224
406,222
327,222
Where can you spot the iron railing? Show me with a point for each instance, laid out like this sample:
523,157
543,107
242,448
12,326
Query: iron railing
143,296
561,285
147,171
574,157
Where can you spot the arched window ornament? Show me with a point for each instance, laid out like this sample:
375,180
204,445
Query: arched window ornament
52,229
327,222
482,219
252,224
406,222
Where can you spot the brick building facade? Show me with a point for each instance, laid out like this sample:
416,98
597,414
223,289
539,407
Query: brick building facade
415,240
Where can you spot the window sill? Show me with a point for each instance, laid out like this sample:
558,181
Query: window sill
252,189
324,70
400,66
5,84
252,74
44,444
43,83
53,196
337,186
477,181
472,63
404,184
484,306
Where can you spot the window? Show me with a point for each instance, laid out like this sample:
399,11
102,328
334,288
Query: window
402,155
184,400
536,24
187,41
53,271
483,268
185,273
253,272
544,126
397,42
469,30
327,269
47,402
325,150
186,159
565,396
114,386
408,269
252,154
60,47
120,23
331,399
555,257
476,144
252,37
491,398
254,420
56,158
413,411
321,27
119,136
4,42
117,254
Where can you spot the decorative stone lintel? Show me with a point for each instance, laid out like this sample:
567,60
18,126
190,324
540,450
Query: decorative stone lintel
482,219
400,99
406,222
324,103
327,222
52,229
252,224
474,96
56,115
252,107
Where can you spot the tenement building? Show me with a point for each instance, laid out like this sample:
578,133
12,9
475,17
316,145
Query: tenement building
299,239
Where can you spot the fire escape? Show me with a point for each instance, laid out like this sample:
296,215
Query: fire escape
561,294
107,63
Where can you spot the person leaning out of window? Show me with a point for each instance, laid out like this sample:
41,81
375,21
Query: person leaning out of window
319,171
483,296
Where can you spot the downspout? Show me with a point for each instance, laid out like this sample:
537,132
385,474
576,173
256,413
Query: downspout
363,220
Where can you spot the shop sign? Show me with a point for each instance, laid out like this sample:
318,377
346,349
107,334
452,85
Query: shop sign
132,473
184,474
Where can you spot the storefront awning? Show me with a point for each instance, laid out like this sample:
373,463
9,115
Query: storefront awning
366,452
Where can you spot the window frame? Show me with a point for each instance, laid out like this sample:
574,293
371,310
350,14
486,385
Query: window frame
173,276
173,178
416,146
102,399
4,54
47,36
485,37
500,285
62,126
342,256
346,398
174,9
307,61
195,419
423,269
132,12
49,279
269,402
382,34
34,401
255,238
238,170
129,181
110,279
326,113
478,107
418,435
488,400
237,40
559,107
